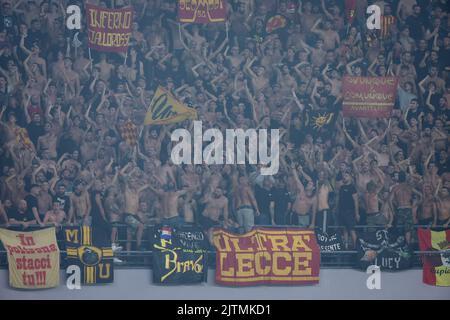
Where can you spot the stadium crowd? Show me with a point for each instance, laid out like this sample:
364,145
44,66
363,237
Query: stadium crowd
63,158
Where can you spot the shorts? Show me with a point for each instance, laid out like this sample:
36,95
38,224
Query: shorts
300,220
132,221
245,218
376,219
441,222
347,219
426,222
404,219
208,223
173,222
80,221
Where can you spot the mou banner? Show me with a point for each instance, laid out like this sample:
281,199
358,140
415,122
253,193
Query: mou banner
436,266
385,249
33,258
202,11
166,109
94,260
179,255
109,30
369,97
267,256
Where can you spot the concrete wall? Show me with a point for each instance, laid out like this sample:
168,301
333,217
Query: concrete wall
334,284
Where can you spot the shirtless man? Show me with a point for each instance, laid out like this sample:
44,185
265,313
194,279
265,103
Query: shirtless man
56,216
80,209
426,212
216,206
132,219
3,216
443,209
48,141
246,206
402,195
44,198
372,203
323,207
169,203
305,205
114,213
330,37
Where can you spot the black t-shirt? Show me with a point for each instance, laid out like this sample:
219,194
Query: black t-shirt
32,202
64,202
281,198
35,131
263,197
346,193
21,217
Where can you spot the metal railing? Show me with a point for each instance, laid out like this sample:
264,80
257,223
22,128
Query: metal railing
143,259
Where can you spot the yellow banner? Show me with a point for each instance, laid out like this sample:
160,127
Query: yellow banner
33,258
166,109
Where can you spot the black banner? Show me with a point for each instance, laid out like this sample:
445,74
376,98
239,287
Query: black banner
329,242
179,255
95,261
385,249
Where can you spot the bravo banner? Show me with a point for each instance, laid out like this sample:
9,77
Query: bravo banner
95,262
369,97
179,255
165,109
329,242
384,249
33,258
109,30
267,256
436,266
202,11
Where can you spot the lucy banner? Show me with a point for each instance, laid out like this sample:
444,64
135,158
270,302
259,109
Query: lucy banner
202,11
436,266
385,249
287,256
94,259
33,258
109,30
369,97
179,255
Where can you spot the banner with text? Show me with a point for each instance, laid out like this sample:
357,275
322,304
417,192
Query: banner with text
288,256
202,11
369,97
33,258
385,249
166,109
109,30
436,266
179,255
329,242
94,259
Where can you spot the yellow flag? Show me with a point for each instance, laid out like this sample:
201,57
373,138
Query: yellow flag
33,258
165,109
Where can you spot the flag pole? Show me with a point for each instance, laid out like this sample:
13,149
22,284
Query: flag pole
126,57
90,57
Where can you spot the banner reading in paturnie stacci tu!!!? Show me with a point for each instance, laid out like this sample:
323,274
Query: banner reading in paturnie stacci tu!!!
384,248
368,97
109,30
288,256
180,255
91,255
436,266
33,258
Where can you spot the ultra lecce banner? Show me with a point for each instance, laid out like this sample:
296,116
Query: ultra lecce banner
109,30
267,256
369,97
202,11
33,258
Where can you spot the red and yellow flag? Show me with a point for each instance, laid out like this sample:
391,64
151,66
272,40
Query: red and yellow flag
436,266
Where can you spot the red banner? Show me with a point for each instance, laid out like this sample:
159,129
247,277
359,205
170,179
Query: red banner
267,256
369,97
109,29
202,11
350,9
436,266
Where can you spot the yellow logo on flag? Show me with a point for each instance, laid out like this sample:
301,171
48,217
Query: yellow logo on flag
165,109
